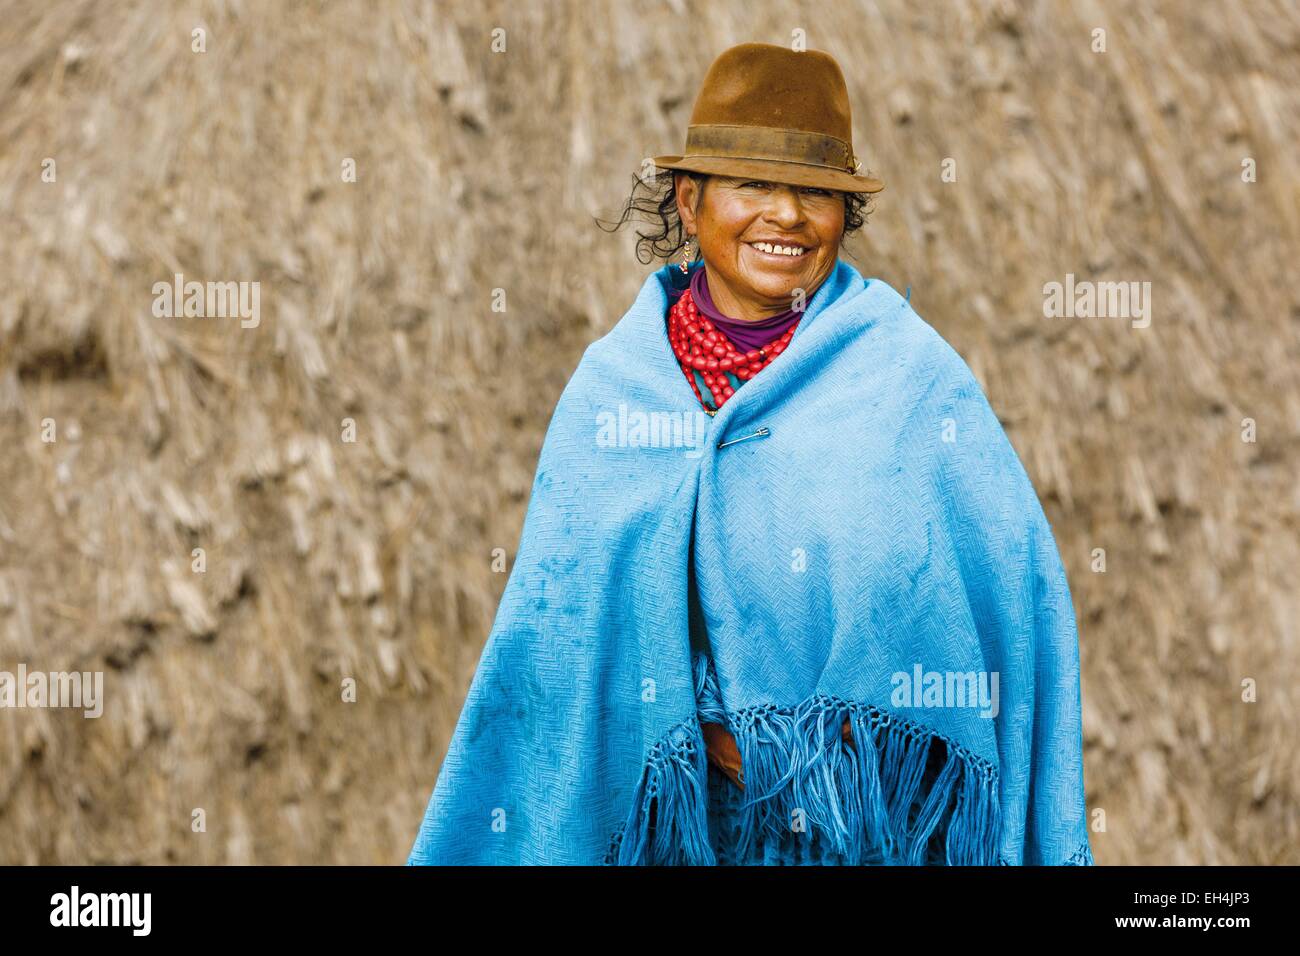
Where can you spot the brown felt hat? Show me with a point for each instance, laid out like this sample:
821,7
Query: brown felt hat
777,114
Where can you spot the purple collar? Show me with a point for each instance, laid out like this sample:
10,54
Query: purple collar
745,334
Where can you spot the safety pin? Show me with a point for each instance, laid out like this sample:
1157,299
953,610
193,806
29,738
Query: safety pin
758,434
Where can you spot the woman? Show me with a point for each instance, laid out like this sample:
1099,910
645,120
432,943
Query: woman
784,592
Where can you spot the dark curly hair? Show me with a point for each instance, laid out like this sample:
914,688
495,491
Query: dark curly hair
658,204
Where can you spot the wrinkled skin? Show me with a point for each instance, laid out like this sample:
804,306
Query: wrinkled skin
725,214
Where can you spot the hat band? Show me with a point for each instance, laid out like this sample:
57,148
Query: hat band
769,143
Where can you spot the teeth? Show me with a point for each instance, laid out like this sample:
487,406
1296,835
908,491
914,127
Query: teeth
779,250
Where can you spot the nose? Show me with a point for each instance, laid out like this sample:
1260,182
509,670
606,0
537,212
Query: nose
784,208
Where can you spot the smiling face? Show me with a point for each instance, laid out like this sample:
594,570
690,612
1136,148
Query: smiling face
761,241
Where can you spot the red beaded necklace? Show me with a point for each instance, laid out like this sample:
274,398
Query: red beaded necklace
700,346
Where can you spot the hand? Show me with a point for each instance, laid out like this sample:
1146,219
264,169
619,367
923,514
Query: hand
725,755
723,752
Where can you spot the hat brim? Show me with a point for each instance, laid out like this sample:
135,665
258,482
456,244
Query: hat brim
791,174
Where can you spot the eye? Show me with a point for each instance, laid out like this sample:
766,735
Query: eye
818,192
755,182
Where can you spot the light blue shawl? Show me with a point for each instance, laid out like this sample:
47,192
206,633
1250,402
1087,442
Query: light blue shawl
867,547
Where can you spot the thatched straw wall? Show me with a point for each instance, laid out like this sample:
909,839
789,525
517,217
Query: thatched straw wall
479,171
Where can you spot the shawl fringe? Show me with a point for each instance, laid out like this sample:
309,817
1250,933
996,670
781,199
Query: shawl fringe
867,801
669,822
